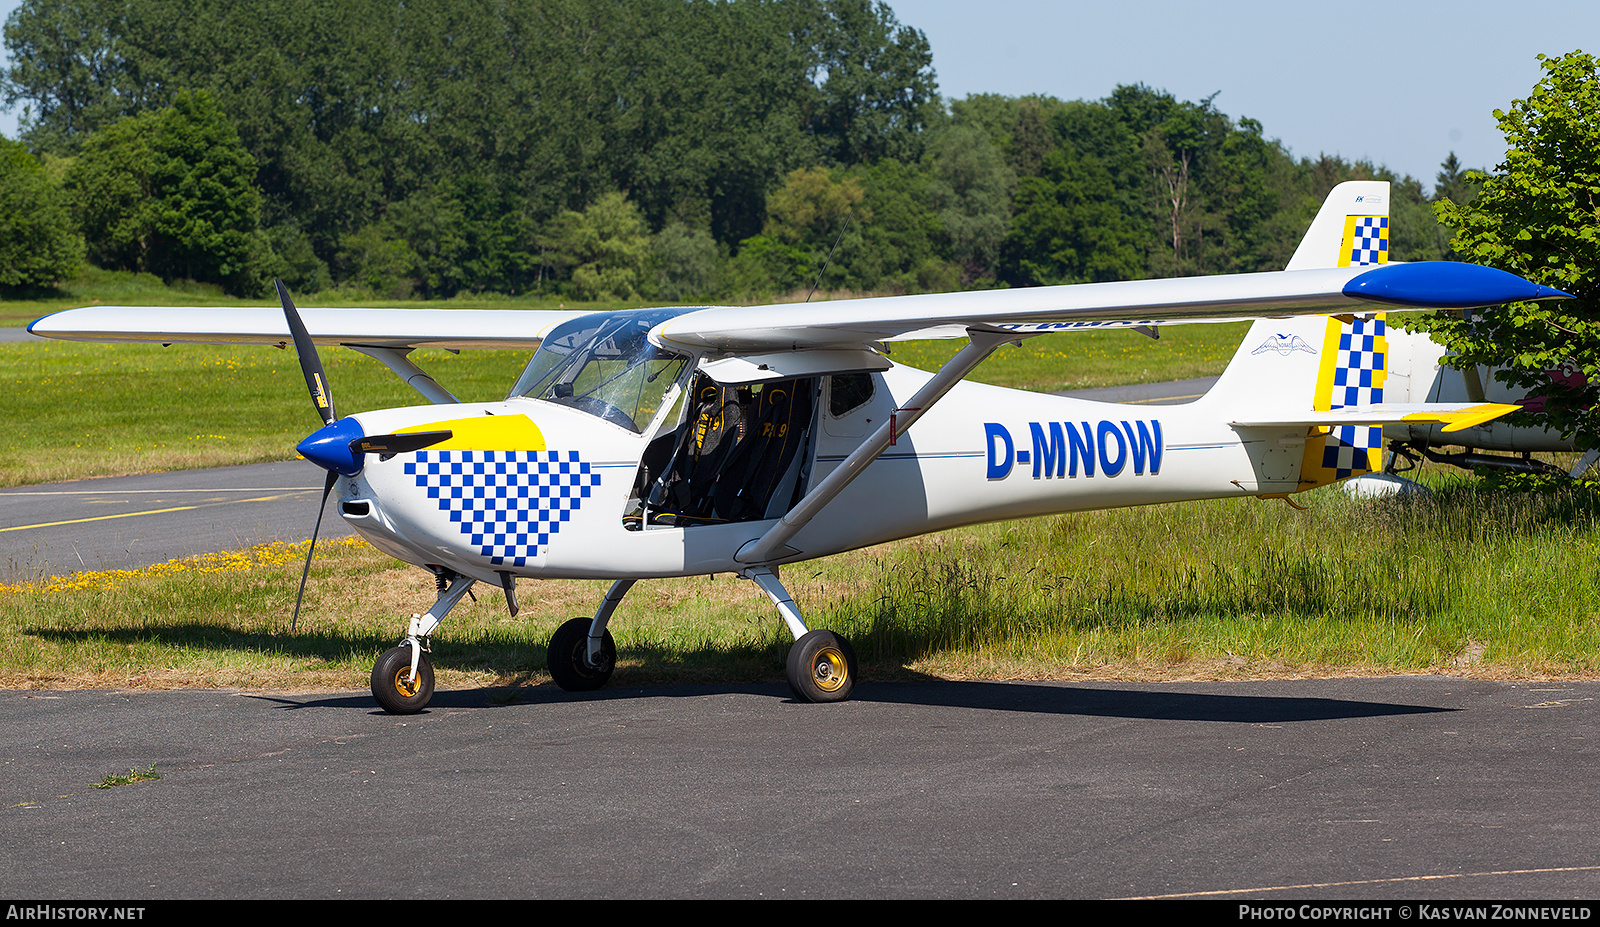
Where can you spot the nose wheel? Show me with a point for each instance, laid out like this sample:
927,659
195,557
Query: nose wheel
821,667
568,658
395,688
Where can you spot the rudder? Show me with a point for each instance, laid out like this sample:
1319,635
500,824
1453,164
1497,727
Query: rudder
1351,229
1286,367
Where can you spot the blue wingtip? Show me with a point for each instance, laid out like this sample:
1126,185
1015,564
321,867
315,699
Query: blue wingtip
1446,285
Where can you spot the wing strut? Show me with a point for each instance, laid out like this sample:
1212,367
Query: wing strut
773,545
403,367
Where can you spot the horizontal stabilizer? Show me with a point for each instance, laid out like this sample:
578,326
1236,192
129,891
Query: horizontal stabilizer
1454,416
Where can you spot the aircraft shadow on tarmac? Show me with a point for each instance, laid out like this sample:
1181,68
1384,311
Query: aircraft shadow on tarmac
1062,699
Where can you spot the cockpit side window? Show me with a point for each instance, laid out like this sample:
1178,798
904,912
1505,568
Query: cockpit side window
848,392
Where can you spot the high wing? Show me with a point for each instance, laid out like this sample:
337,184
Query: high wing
843,325
856,324
395,329
850,325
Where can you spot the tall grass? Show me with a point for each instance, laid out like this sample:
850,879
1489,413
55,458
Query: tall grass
1465,581
1465,577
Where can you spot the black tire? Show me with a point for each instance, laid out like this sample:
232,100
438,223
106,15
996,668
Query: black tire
568,658
392,685
822,667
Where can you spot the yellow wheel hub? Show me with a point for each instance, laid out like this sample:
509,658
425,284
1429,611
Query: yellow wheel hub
404,684
829,670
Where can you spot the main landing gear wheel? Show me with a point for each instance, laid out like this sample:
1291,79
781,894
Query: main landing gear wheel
822,667
393,686
569,657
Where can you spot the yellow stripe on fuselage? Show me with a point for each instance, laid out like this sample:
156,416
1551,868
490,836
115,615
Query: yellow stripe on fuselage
485,433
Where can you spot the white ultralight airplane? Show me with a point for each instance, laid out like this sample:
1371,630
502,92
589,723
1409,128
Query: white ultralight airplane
675,442
1418,373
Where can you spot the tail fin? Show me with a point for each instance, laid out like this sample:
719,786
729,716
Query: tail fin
1320,380
1321,376
1351,229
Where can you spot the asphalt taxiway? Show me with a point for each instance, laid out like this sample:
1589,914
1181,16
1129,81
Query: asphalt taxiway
1389,789
130,522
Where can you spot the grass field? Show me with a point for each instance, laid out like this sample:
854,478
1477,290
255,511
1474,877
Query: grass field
1470,580
1467,581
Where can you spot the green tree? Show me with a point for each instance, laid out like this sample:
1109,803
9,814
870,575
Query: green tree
38,245
375,260
75,69
971,190
805,217
112,191
1453,183
685,263
605,248
877,88
696,109
900,245
1538,215
171,192
1070,226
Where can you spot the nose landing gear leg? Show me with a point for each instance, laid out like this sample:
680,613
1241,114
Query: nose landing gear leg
402,679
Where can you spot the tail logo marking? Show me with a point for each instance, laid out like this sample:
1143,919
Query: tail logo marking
1285,345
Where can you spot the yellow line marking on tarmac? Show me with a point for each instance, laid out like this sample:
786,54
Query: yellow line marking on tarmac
129,492
1290,888
179,508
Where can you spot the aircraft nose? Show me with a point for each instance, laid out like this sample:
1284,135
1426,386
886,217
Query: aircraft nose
332,447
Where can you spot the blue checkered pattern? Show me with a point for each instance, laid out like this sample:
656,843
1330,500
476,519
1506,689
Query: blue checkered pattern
1369,241
507,503
1357,381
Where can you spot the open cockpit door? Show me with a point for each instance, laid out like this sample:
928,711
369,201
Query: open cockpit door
737,453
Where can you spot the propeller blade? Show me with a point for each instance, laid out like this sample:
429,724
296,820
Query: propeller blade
386,446
326,489
310,363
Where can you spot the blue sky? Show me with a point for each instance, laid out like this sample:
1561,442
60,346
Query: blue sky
1402,87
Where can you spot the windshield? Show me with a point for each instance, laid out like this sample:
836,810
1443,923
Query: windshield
604,365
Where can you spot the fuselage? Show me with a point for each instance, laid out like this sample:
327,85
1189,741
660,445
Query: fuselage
541,489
